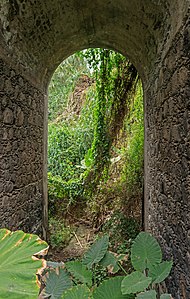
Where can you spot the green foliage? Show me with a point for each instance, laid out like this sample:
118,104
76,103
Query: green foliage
139,284
111,289
17,268
77,292
56,284
152,295
147,295
101,144
63,83
18,271
145,255
116,79
111,260
59,234
80,272
134,283
121,229
67,149
80,147
134,156
145,252
100,273
68,140
96,252
160,271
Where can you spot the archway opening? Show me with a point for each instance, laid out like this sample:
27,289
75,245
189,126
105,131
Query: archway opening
95,152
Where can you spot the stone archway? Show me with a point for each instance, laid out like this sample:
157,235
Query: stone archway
35,36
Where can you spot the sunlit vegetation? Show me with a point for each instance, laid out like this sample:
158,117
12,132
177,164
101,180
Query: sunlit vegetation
95,152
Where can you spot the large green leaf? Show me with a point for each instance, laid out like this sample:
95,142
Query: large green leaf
116,267
79,271
77,292
147,295
165,296
160,272
96,252
17,268
111,289
56,284
134,283
108,259
111,260
145,252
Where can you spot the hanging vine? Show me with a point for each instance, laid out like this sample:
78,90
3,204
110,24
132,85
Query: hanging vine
116,82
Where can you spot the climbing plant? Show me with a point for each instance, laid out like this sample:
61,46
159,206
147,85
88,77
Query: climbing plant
82,146
132,173
116,86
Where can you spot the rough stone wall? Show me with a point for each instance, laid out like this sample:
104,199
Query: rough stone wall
168,159
21,152
41,34
35,36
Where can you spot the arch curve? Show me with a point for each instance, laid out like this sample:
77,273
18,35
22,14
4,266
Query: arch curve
46,34
35,37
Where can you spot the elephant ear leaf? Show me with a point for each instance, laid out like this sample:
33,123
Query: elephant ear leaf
160,272
56,284
79,271
145,252
134,283
96,252
77,292
17,268
111,289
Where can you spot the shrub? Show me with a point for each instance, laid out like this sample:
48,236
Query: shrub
149,272
17,270
59,233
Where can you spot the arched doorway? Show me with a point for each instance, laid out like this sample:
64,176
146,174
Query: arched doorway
34,39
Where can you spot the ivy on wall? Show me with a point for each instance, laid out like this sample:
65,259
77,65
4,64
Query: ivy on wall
116,86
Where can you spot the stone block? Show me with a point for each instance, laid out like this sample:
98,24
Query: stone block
19,117
8,116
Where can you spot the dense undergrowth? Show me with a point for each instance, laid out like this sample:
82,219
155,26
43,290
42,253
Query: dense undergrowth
95,152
